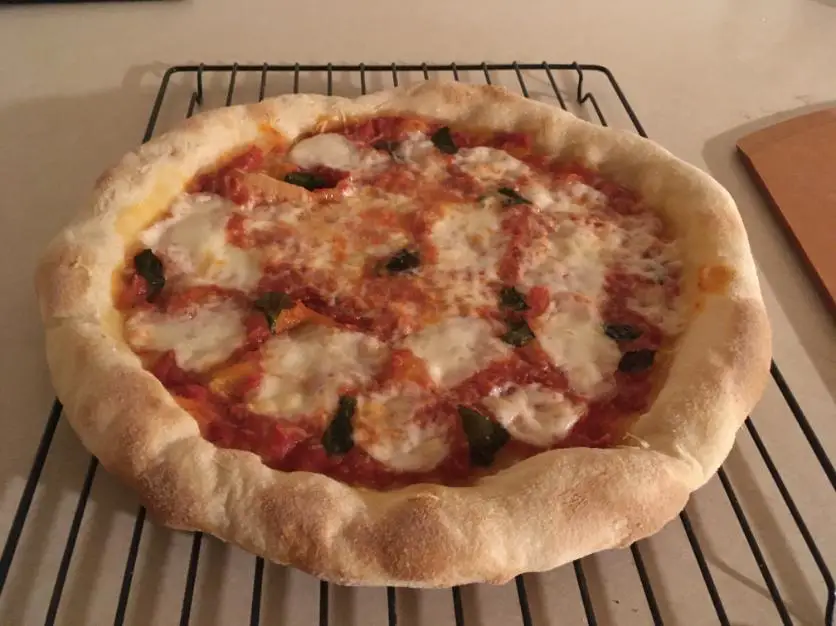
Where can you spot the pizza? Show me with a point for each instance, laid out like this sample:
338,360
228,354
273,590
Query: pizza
429,336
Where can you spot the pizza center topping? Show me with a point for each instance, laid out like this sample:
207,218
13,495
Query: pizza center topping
397,300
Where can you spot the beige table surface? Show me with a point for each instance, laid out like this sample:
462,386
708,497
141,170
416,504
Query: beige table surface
76,83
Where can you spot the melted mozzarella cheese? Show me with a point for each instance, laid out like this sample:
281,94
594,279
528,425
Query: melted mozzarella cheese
416,149
534,414
194,240
572,258
385,428
572,335
469,238
456,348
490,165
644,254
199,339
337,238
305,370
575,197
335,151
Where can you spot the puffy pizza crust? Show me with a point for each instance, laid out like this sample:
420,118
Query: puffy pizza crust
534,516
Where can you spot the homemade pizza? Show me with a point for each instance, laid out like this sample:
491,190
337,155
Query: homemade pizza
430,336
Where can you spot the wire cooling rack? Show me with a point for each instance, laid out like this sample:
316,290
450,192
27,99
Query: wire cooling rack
744,551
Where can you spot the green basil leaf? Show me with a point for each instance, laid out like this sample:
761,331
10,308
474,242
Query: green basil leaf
443,140
511,197
149,267
518,334
338,438
510,298
309,181
622,332
272,304
484,436
403,261
636,361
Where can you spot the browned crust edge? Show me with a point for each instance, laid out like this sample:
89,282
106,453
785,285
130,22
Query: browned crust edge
537,515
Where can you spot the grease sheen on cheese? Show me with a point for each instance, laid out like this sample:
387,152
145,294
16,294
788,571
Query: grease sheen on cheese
534,414
200,338
306,369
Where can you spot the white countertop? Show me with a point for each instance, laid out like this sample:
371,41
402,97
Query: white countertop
76,85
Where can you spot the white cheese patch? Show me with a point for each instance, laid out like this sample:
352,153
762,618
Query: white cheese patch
422,156
650,303
575,197
572,335
642,252
538,194
200,338
305,370
490,165
335,151
457,348
572,258
193,242
535,414
469,238
416,149
464,295
385,428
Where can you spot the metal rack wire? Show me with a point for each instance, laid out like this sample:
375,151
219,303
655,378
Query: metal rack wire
488,72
